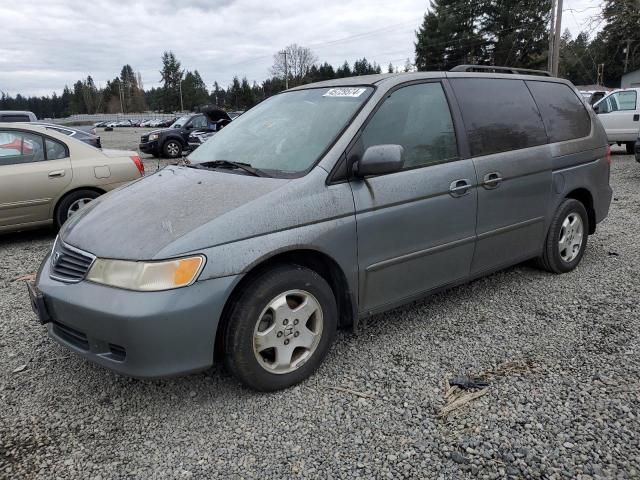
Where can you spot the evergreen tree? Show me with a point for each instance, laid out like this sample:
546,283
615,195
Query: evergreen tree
344,70
516,32
171,76
449,35
621,18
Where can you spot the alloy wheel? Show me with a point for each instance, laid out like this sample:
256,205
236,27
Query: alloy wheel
288,331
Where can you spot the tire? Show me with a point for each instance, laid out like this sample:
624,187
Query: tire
254,324
631,147
172,149
71,203
570,223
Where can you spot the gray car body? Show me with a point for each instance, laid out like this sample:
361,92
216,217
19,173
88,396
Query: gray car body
388,239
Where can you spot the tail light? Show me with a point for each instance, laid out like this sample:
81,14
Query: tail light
139,164
608,157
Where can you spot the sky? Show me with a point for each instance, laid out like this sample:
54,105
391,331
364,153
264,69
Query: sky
47,44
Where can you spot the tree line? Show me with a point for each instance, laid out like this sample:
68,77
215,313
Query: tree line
180,89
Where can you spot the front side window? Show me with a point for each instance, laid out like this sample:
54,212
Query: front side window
20,147
499,115
286,134
624,100
418,118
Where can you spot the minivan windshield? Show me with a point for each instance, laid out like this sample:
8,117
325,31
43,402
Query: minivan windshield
286,133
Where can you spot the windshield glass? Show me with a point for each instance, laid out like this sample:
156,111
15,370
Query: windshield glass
179,123
287,132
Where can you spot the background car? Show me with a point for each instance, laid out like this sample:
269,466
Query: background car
84,136
17,116
173,141
47,176
619,113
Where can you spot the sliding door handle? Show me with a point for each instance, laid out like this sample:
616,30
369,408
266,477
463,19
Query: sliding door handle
492,180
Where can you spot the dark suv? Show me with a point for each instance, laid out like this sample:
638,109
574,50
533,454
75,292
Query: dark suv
171,142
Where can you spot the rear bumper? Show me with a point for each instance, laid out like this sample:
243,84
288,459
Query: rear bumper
138,334
602,203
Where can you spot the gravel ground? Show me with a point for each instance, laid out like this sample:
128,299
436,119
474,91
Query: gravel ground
561,354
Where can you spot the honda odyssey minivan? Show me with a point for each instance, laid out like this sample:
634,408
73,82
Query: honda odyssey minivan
320,206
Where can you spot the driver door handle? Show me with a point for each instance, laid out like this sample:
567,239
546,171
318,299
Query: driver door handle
492,180
56,173
458,188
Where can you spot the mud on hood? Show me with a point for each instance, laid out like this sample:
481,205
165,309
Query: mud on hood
139,220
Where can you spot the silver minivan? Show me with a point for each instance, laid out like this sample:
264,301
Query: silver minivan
320,206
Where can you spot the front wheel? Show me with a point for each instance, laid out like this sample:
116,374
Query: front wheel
172,149
71,203
567,238
280,328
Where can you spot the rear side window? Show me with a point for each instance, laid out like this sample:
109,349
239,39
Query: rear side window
418,118
55,150
499,115
563,114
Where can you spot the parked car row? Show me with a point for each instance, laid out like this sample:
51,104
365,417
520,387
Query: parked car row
153,123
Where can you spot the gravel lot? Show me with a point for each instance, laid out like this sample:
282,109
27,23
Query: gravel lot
561,354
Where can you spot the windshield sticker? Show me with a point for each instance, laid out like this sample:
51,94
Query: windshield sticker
345,92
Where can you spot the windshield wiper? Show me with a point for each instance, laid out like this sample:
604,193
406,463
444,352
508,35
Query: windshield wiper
229,164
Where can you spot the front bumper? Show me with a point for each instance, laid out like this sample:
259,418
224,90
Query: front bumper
149,147
139,334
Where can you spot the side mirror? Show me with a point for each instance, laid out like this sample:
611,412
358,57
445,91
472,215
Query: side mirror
380,159
596,108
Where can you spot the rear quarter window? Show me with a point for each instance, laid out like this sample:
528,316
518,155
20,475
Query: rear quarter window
499,115
564,115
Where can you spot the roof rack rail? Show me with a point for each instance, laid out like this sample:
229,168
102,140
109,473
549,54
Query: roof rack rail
494,69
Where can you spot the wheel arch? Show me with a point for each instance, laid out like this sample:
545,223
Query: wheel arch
584,196
315,260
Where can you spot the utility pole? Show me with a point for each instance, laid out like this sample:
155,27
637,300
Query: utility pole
556,43
551,35
600,76
121,96
286,70
626,57
181,104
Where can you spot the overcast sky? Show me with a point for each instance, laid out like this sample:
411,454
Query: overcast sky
45,44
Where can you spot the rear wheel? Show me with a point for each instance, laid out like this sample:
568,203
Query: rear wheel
631,147
70,204
567,238
172,149
280,328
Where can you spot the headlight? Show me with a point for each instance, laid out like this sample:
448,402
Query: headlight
153,136
146,276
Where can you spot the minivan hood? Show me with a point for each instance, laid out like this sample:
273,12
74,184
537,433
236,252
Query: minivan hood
139,220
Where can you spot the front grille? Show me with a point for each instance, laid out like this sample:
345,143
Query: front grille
71,335
68,264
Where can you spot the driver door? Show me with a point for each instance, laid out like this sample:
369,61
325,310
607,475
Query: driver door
416,227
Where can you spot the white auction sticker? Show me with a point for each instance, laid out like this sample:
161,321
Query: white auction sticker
345,92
